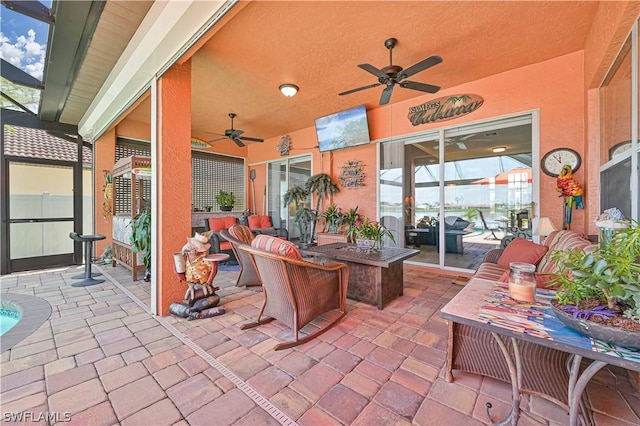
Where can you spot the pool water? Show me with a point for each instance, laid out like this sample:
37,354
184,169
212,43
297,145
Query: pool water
8,319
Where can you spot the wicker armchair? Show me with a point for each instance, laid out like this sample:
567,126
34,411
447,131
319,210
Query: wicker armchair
296,292
240,235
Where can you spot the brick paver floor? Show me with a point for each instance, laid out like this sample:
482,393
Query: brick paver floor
101,358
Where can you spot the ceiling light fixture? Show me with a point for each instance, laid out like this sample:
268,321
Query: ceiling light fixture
499,149
288,89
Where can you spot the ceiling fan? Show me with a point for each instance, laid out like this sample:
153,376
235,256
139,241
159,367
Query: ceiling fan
459,141
394,74
234,134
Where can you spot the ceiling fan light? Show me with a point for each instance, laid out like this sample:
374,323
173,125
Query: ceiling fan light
288,89
498,149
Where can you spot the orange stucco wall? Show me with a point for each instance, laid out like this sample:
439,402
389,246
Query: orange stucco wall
554,87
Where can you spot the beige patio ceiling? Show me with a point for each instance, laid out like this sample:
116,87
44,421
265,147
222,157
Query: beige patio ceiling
117,24
317,46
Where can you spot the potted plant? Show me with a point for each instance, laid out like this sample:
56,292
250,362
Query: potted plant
141,239
333,218
369,234
304,216
351,218
226,200
323,186
600,289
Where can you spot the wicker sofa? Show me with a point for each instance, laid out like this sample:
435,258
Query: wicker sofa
475,351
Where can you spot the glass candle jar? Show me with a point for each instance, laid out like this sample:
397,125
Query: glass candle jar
522,282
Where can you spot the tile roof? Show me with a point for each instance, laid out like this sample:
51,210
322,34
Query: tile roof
35,143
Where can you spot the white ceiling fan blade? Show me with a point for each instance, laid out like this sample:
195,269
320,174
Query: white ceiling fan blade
461,145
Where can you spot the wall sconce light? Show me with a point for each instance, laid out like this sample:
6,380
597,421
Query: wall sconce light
498,149
288,89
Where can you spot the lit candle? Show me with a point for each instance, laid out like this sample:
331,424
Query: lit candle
524,291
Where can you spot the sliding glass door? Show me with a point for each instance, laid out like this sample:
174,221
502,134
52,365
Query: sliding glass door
458,192
282,175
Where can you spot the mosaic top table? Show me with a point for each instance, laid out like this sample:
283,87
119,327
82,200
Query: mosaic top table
486,305
375,277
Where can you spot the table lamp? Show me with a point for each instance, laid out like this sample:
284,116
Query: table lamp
544,227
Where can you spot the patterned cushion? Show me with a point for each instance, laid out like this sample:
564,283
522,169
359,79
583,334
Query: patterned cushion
521,250
259,221
218,223
561,241
277,246
197,270
242,233
489,271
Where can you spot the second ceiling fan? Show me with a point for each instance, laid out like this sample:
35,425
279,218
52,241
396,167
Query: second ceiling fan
235,134
394,74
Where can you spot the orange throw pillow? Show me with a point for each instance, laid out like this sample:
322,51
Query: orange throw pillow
259,221
521,250
216,224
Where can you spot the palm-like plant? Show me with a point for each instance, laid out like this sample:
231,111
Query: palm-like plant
304,215
323,186
296,195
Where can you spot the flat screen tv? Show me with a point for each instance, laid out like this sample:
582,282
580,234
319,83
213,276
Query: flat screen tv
343,129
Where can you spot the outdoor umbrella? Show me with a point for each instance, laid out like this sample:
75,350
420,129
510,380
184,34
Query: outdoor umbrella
519,174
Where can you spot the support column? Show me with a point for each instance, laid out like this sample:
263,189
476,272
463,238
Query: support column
173,219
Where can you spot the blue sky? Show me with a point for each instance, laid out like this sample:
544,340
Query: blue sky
23,40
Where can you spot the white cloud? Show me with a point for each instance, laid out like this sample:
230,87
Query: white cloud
25,53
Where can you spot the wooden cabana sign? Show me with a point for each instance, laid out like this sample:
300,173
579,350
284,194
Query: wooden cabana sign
445,108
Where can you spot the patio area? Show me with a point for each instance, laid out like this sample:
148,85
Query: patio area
101,358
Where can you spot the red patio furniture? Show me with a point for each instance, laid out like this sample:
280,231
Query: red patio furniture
262,224
216,224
